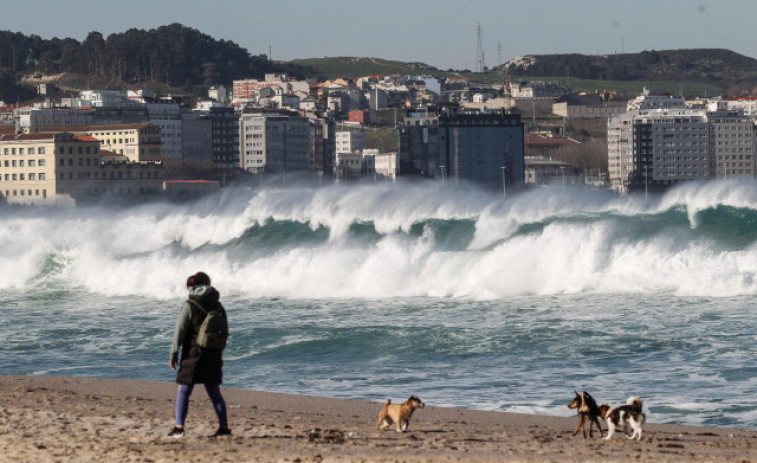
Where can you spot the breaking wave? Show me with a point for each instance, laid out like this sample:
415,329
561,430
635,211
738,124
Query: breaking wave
396,240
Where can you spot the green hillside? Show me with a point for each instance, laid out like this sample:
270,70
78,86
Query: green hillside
353,67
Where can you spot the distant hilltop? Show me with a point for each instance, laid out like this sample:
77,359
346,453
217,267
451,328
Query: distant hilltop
735,73
720,67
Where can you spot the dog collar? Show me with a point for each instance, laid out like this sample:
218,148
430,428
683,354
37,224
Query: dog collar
609,415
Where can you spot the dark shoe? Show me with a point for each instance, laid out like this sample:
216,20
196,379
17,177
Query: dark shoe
222,432
176,432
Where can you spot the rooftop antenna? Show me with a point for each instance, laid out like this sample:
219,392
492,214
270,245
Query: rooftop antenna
480,65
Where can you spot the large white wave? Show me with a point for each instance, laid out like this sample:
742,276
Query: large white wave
149,250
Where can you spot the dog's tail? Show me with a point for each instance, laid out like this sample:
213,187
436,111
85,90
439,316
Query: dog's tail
635,402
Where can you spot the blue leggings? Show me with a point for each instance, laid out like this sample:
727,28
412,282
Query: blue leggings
214,392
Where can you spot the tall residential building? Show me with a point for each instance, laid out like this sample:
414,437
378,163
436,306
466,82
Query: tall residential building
274,142
167,116
732,138
485,148
419,144
654,149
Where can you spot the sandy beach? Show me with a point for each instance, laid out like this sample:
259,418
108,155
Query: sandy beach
62,419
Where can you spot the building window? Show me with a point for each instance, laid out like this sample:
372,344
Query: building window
41,151
31,151
32,177
20,151
42,163
42,176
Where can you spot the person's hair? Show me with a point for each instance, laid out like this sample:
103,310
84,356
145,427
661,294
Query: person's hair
199,278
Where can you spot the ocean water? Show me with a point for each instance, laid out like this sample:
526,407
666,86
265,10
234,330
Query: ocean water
371,291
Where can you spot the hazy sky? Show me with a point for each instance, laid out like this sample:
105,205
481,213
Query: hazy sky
441,33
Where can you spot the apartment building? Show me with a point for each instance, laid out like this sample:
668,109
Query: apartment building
654,149
274,142
419,144
732,141
620,151
485,148
138,142
349,141
55,168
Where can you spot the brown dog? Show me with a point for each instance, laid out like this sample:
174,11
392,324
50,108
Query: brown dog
398,414
587,411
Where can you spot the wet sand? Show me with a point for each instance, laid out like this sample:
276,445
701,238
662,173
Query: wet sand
60,419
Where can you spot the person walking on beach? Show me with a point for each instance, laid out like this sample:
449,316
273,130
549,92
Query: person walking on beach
198,364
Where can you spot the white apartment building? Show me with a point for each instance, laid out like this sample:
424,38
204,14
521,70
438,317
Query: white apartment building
167,116
650,100
218,93
274,142
349,141
385,166
102,97
620,150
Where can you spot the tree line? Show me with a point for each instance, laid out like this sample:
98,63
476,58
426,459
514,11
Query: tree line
175,55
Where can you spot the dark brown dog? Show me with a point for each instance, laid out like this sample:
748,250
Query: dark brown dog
587,411
398,414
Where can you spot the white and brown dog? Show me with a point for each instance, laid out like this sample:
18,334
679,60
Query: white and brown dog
621,417
399,414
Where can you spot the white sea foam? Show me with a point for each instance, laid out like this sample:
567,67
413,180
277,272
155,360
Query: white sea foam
579,246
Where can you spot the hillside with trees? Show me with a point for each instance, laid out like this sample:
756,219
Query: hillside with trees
173,55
